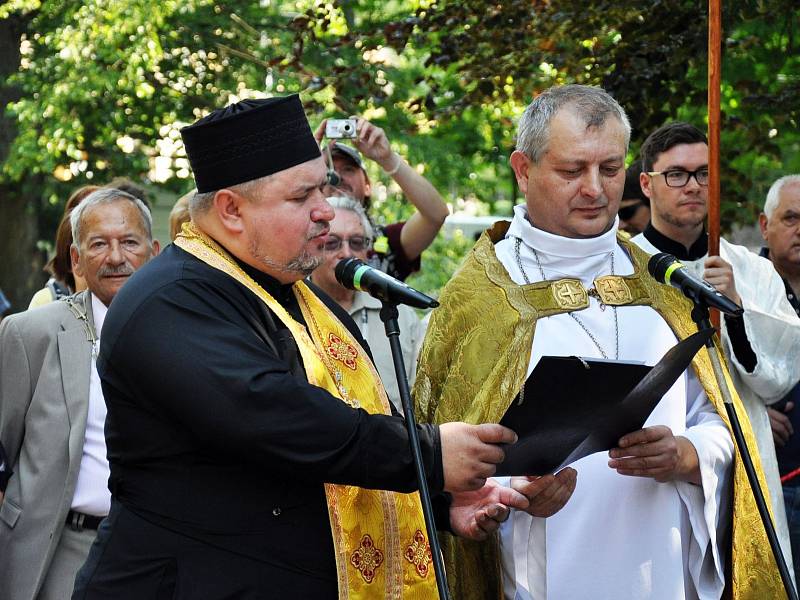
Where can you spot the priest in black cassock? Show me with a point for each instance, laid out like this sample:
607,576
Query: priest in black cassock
248,433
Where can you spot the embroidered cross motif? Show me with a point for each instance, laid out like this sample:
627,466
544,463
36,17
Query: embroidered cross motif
613,290
342,351
367,558
569,293
418,553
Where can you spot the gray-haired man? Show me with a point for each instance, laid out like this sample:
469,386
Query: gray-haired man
52,411
780,228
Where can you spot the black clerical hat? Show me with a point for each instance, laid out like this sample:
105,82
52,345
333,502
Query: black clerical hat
248,140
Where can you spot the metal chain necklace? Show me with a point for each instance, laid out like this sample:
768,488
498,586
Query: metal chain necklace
572,314
82,314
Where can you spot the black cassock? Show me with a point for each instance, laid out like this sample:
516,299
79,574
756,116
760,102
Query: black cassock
219,447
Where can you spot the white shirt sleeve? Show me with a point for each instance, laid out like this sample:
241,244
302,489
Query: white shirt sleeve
771,325
708,505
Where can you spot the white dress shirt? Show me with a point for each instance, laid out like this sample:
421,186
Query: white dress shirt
91,490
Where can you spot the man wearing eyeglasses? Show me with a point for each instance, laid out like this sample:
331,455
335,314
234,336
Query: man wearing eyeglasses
675,178
351,235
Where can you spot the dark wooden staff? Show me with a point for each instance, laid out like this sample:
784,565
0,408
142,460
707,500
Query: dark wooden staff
714,79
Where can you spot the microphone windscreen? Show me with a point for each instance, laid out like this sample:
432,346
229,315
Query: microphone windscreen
345,270
658,265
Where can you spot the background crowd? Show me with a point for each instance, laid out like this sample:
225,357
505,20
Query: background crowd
106,234
388,193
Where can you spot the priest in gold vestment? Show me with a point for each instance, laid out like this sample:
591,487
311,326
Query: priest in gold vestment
668,514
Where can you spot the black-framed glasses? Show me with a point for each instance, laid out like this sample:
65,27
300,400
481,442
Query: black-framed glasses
679,177
356,242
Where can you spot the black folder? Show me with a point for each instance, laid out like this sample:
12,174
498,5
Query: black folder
574,407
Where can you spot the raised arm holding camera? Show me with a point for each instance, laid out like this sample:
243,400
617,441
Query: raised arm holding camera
404,242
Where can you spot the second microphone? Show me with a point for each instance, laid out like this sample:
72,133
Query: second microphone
354,274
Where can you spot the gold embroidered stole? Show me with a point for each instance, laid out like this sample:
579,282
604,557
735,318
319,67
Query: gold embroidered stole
459,379
379,537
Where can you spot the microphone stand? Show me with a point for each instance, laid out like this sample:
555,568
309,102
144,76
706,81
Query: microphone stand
700,316
389,316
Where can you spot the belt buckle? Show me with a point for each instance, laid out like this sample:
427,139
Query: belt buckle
77,521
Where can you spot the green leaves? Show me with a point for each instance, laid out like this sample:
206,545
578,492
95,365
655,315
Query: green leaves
106,85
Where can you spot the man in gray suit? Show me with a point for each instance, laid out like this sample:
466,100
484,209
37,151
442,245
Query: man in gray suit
52,410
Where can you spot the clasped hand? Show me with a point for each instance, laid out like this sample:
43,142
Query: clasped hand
655,452
470,454
477,514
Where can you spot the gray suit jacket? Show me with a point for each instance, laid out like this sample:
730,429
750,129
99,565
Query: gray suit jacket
45,369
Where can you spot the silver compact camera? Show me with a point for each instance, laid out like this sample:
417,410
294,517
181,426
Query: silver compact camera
341,128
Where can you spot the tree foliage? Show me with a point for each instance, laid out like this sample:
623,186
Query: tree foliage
652,56
105,85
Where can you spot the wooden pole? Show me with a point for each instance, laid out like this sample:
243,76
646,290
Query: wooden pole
714,80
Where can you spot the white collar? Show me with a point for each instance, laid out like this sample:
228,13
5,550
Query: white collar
556,245
559,256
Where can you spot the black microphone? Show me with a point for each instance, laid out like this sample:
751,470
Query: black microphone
353,274
665,268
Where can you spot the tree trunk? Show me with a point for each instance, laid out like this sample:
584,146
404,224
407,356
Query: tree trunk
20,260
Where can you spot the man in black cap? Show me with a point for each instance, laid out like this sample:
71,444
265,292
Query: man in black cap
398,246
248,434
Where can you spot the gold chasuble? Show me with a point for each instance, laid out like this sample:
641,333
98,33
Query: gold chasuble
381,544
474,362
